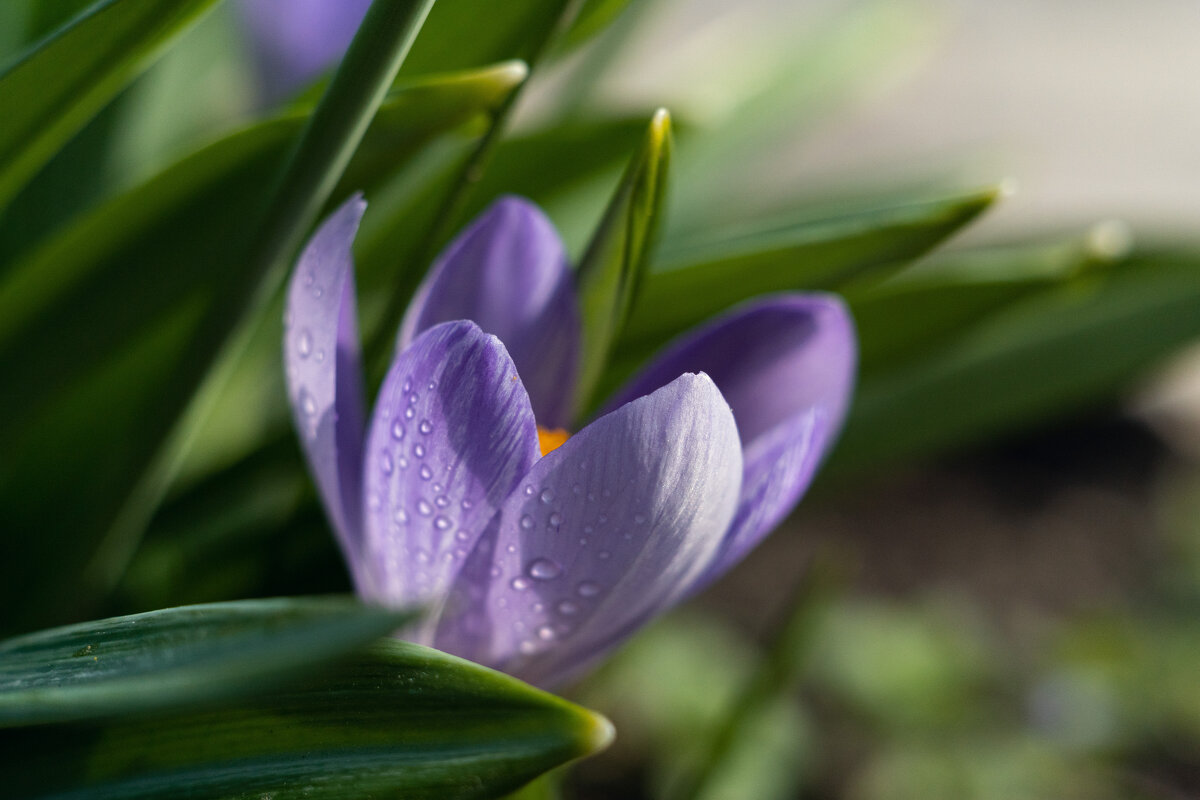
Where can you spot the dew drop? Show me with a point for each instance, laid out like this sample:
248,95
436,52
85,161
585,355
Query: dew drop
462,536
307,404
441,501
432,385
409,413
588,589
519,583
401,516
304,343
407,386
426,473
385,463
437,487
495,573
319,356
583,540
604,555
527,647
426,427
413,398
441,523
545,633
547,495
402,462
529,490
466,504
639,519
567,608
543,569
423,508
419,450
373,501
422,557
512,548
556,519
397,429
527,522
588,529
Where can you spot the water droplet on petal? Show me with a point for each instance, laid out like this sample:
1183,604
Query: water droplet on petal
567,608
543,569
441,501
512,548
385,463
319,356
527,522
556,519
304,343
397,429
307,403
519,583
409,413
547,495
466,504
423,508
441,523
588,589
425,427
529,490
462,536
527,647
426,473
545,633
401,516
604,555
419,450
407,386
413,398
639,519
373,501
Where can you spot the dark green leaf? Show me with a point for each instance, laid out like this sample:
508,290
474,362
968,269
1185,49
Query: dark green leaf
692,283
178,656
189,255
398,721
610,272
1070,345
52,92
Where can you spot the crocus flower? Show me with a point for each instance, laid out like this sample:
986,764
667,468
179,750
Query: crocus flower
537,550
294,41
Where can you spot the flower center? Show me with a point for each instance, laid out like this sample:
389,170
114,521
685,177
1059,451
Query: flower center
551,439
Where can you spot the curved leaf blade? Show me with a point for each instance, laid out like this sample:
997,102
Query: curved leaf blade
398,720
177,656
53,91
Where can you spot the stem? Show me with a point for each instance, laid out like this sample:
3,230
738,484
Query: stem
779,670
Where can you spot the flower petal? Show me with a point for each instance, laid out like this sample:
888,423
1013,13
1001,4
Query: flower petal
451,434
324,370
603,533
296,40
786,365
508,273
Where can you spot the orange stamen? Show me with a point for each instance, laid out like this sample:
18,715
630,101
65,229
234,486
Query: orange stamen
551,439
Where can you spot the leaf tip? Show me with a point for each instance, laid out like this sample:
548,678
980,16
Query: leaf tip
660,127
596,733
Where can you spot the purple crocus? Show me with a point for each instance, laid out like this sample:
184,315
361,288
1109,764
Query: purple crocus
537,550
294,41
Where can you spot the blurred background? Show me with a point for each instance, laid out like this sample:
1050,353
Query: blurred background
1005,607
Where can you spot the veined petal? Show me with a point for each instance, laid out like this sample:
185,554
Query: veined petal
603,533
296,40
324,371
451,434
508,273
786,365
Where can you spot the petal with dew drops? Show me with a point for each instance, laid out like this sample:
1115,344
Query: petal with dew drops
508,273
603,533
324,371
786,365
451,434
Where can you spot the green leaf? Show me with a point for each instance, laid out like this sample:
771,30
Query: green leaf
183,259
594,16
52,92
694,282
462,34
921,307
1071,345
399,720
178,656
611,269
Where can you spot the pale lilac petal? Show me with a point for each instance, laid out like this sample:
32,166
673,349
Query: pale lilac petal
604,532
324,370
294,41
508,273
786,365
451,434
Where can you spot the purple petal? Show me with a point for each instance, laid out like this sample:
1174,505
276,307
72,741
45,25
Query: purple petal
786,365
296,40
324,370
603,533
508,273
451,434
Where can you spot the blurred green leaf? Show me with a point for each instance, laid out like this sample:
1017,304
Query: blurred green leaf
612,268
178,656
1072,344
113,324
691,283
923,306
463,34
399,720
594,16
54,90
